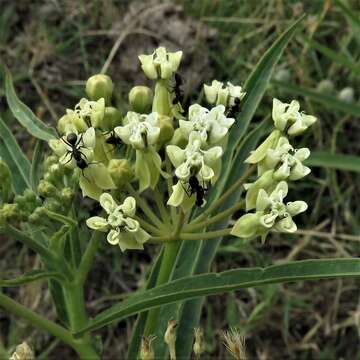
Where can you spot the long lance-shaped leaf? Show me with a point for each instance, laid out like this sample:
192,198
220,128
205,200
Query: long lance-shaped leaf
334,161
31,276
201,255
331,102
217,283
36,164
23,113
11,153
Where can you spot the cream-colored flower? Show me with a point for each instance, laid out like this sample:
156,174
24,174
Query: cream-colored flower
122,229
140,131
212,126
219,94
160,64
288,118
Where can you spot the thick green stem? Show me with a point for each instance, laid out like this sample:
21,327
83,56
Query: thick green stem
88,257
160,204
74,295
166,267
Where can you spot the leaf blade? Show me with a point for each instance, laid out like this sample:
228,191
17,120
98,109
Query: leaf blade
334,161
216,283
24,114
29,277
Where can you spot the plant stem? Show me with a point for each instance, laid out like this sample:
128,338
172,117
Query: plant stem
167,264
148,227
88,257
75,304
225,195
206,235
160,204
144,207
37,320
166,267
220,216
170,184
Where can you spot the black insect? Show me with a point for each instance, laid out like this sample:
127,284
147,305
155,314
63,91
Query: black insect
234,109
197,189
178,91
74,142
113,139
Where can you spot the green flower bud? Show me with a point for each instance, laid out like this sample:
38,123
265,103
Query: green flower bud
69,120
120,171
50,160
52,204
10,213
67,195
46,189
99,86
5,181
140,99
112,118
166,129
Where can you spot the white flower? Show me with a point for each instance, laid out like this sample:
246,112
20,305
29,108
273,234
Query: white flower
218,94
212,126
287,117
193,160
271,212
286,161
124,230
160,64
140,131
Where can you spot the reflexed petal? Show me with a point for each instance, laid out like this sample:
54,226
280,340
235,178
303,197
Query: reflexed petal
177,195
129,206
286,225
213,154
302,154
148,66
113,237
141,236
89,188
206,173
166,70
296,207
176,155
263,200
97,223
58,147
100,175
152,135
142,171
280,191
124,133
107,203
175,59
128,241
89,137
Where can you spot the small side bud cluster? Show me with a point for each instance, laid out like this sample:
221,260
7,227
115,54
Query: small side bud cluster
23,352
277,163
146,348
199,344
234,343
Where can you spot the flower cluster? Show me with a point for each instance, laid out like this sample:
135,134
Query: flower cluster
277,163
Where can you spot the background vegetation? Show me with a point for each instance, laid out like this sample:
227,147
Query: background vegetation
53,46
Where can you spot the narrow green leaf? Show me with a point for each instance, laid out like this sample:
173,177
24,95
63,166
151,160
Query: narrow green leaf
31,276
217,283
36,164
61,218
334,161
351,17
15,159
331,102
335,56
23,113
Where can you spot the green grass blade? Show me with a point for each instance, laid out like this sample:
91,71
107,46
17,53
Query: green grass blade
335,56
31,276
11,153
331,102
217,283
23,113
351,17
334,161
36,164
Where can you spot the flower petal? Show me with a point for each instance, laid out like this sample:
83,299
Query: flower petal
97,223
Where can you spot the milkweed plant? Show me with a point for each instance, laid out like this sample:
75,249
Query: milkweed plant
164,173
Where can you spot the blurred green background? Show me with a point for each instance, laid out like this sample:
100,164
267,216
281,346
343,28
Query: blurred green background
52,47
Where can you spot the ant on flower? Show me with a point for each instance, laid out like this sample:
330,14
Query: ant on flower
197,189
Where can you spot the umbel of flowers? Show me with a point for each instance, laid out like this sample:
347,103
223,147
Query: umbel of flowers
278,162
161,148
